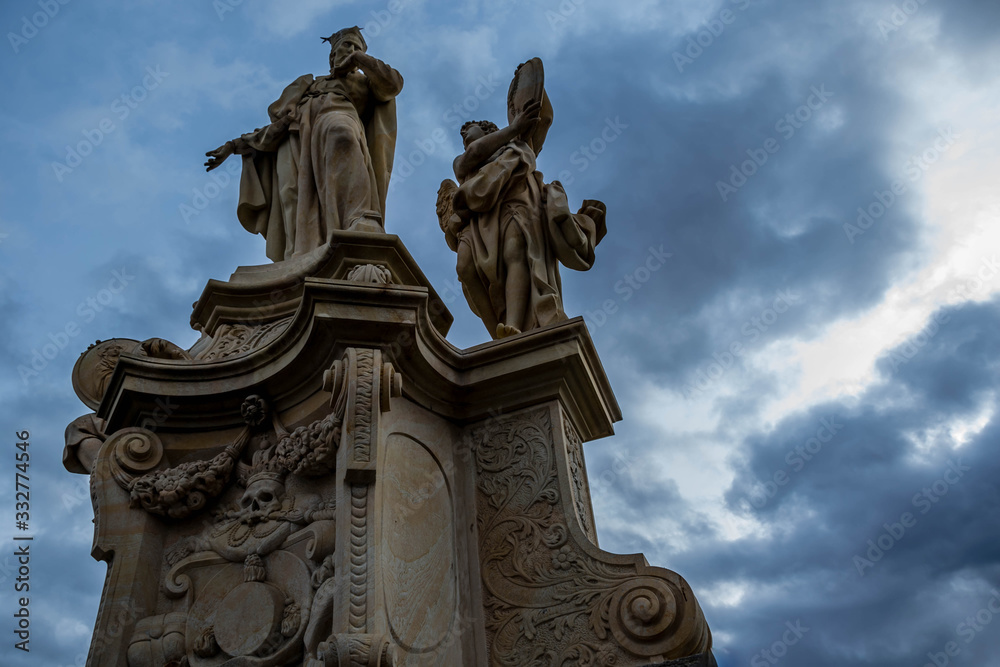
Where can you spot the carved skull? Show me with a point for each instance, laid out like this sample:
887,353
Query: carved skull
262,497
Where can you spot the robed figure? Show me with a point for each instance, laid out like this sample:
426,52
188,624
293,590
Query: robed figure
324,161
511,230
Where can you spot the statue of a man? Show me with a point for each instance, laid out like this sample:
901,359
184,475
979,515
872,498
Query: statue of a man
324,162
510,228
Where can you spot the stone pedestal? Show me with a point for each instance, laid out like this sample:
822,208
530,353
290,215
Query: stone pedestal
324,480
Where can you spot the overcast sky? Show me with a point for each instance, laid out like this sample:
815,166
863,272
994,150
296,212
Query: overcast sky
808,381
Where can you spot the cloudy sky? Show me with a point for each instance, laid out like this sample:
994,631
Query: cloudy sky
808,381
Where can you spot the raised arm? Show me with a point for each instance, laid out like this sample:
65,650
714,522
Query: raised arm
385,82
479,151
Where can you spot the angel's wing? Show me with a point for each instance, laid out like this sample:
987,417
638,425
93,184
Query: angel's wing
446,211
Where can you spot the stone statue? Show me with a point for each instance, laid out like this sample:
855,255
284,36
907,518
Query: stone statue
323,163
509,228
322,480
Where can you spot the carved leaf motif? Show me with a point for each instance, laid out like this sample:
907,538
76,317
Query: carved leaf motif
578,473
550,602
363,404
185,489
235,339
370,273
179,492
311,450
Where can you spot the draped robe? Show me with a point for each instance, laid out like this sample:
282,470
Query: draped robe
508,191
326,168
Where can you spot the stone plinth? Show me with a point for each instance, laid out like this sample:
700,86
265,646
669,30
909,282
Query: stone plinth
324,480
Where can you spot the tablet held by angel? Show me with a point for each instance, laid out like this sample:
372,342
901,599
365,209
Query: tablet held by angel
510,229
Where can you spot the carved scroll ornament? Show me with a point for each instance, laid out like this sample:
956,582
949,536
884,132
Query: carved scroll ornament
549,599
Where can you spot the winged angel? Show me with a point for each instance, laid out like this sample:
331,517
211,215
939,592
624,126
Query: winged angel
509,228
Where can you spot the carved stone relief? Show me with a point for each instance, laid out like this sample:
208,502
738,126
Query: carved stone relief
256,585
550,599
578,474
232,340
370,273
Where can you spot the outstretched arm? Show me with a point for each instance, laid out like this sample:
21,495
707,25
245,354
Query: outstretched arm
264,138
480,150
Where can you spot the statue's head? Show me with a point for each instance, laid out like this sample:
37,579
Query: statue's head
475,129
343,43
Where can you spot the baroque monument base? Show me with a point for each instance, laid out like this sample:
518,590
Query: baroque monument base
324,480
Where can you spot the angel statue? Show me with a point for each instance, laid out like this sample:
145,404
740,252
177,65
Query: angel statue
323,163
509,228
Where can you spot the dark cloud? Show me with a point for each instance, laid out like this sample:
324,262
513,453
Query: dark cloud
651,140
928,570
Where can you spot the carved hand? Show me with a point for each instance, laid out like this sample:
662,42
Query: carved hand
362,60
239,145
524,122
351,63
219,155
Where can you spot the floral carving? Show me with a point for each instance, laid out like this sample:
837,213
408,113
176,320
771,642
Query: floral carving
550,601
578,474
235,339
311,450
564,558
181,491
